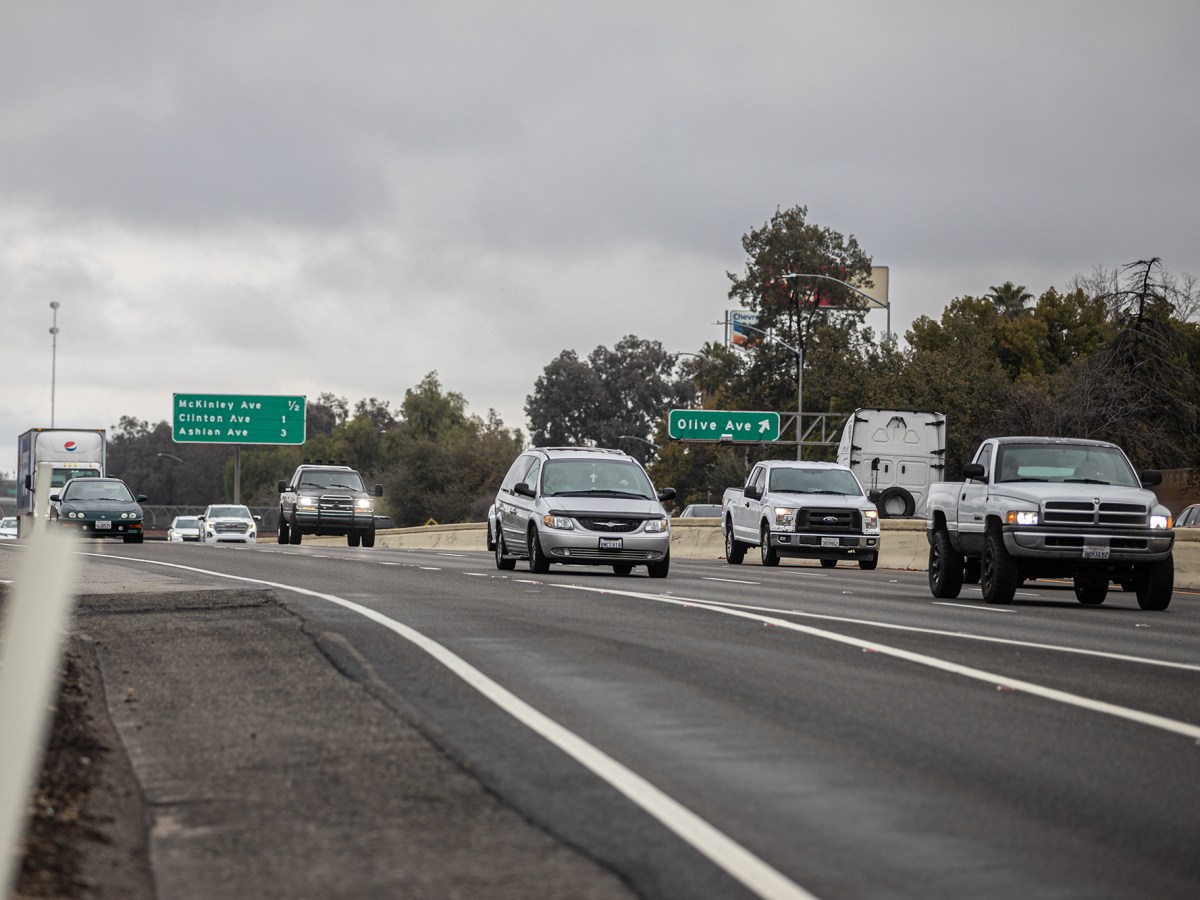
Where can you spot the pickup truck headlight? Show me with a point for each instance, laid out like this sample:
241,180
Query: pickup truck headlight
1021,517
364,503
1160,522
562,523
306,502
785,516
871,520
656,526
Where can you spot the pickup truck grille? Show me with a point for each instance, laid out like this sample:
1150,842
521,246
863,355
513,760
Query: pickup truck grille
335,503
832,521
1086,512
609,524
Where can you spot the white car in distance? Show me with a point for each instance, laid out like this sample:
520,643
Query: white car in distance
227,523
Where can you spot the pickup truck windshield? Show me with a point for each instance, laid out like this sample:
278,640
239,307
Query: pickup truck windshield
814,481
582,477
1070,464
347,481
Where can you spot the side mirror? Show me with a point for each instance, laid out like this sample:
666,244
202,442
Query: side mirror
141,498
667,494
752,492
257,517
874,494
1150,478
379,490
54,498
282,486
523,489
975,471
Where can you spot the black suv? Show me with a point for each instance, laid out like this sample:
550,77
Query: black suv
327,499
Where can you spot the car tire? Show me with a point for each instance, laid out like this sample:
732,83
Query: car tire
368,537
294,533
735,550
1155,582
868,563
829,564
282,536
945,567
1090,590
353,538
766,552
999,575
503,562
623,568
539,564
896,502
660,569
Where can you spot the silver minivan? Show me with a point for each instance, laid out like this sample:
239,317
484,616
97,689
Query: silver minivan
582,506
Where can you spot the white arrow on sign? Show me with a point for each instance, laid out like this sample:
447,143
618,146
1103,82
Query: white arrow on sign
764,425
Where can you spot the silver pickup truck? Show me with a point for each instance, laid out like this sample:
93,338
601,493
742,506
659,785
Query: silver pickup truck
811,510
1040,507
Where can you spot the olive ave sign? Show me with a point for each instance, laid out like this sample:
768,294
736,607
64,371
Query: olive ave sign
237,419
722,425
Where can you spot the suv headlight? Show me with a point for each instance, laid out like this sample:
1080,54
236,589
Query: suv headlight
785,516
363,503
656,526
562,523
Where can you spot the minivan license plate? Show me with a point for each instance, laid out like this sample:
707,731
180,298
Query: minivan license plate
1095,552
610,543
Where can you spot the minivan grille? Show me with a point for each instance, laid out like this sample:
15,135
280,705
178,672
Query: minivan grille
609,524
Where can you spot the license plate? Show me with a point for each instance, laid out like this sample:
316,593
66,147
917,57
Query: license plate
103,525
611,543
1095,552
830,542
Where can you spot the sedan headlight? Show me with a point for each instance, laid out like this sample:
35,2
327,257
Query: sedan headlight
785,516
1021,517
562,523
656,526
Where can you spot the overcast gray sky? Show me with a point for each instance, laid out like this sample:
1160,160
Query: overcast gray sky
298,197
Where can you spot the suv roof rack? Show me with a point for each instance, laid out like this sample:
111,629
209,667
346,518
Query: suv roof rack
586,450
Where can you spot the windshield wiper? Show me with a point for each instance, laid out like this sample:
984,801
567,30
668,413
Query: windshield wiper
600,492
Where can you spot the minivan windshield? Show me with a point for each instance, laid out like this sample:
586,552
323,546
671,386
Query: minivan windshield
599,477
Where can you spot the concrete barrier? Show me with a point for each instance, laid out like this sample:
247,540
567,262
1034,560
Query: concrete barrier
902,543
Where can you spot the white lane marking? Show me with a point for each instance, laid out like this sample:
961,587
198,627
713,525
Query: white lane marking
1016,684
1059,648
757,875
727,580
429,568
971,606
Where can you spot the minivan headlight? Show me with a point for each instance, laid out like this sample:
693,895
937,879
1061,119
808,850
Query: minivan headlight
657,526
562,523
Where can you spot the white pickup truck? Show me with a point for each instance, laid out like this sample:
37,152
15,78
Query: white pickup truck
811,510
1040,507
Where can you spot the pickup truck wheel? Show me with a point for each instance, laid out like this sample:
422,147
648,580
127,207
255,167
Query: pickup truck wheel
767,552
867,563
368,538
999,576
293,533
735,550
660,569
353,539
502,561
1090,590
538,563
828,563
945,567
1155,582
283,529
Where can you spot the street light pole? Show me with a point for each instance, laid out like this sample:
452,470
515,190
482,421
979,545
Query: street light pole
846,284
54,304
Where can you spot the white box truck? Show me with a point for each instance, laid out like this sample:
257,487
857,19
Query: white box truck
73,453
899,452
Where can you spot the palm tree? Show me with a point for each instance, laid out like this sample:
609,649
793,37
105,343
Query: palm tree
1009,299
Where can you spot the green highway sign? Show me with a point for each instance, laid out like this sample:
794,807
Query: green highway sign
722,425
237,419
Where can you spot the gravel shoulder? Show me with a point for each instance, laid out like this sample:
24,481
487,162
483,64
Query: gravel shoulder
206,745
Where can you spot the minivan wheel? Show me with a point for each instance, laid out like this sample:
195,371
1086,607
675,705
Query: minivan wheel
660,569
502,562
539,564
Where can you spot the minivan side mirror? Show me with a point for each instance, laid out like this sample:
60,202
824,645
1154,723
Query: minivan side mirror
523,489
666,494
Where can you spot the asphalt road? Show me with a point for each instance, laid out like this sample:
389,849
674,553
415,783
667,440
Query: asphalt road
730,731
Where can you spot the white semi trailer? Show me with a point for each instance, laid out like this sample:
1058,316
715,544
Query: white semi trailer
899,452
73,453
